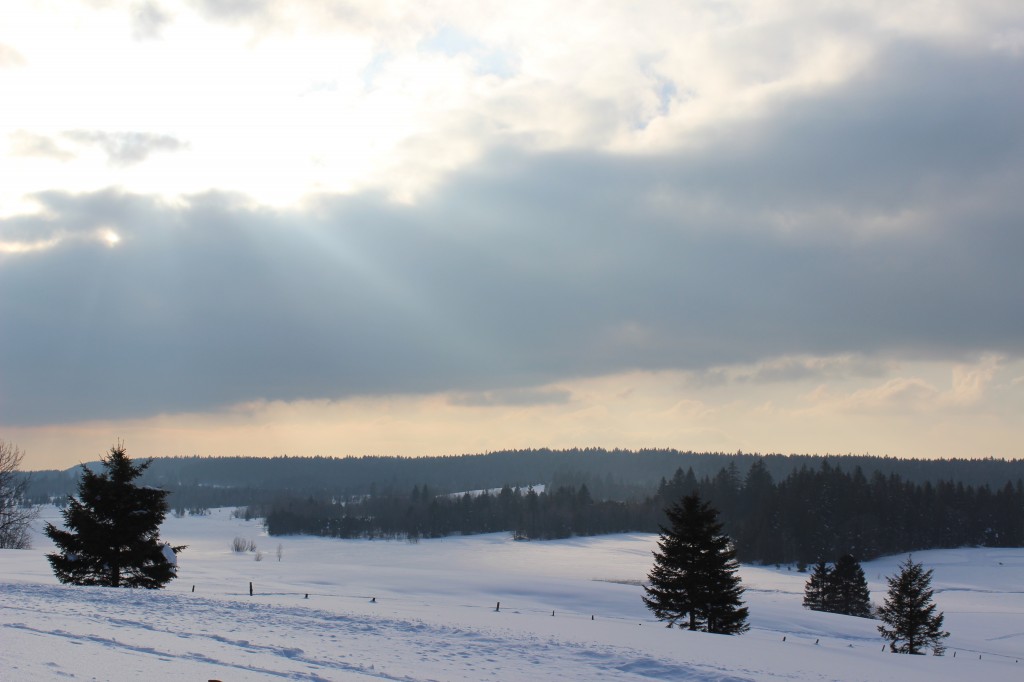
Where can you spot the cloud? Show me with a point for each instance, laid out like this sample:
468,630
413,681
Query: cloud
126,148
148,20
25,143
10,58
512,398
969,388
122,148
452,42
788,369
970,382
898,394
234,10
879,219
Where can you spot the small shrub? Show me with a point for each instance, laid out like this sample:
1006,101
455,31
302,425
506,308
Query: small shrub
241,545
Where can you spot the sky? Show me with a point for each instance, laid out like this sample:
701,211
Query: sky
318,227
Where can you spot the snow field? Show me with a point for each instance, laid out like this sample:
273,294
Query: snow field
433,616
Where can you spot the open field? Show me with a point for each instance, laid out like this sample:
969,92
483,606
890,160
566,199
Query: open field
427,611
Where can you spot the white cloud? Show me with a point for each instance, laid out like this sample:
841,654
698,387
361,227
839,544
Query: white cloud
968,387
10,58
900,393
274,101
788,369
24,143
148,20
970,381
126,148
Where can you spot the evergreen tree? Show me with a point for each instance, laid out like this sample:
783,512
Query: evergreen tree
818,588
113,537
848,591
910,621
694,577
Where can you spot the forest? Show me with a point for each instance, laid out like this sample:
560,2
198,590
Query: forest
777,508
622,475
810,515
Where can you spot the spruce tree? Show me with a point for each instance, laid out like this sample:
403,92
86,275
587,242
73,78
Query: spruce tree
694,581
113,530
910,622
848,592
818,588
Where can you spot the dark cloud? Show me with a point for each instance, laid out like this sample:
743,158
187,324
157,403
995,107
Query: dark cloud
527,268
126,148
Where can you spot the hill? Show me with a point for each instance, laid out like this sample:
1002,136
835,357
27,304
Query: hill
434,617
608,474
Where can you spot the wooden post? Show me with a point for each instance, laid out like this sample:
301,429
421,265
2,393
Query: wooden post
498,607
250,588
193,588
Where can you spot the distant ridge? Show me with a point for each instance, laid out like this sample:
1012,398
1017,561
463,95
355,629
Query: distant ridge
614,474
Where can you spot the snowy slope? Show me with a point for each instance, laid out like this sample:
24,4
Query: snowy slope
426,611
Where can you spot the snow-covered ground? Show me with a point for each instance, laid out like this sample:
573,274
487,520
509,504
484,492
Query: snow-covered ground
427,611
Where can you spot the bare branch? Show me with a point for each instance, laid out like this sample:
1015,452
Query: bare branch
15,514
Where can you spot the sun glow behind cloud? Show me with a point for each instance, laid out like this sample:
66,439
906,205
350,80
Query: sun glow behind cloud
106,236
109,237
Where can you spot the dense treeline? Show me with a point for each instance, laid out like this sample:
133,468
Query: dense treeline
824,512
623,475
811,514
528,514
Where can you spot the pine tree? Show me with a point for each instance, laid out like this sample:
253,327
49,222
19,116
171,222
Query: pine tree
694,579
818,588
910,621
113,537
848,591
